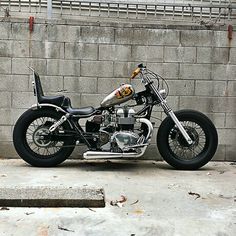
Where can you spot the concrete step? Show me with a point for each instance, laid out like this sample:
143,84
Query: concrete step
52,197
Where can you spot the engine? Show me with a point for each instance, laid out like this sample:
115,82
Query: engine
117,133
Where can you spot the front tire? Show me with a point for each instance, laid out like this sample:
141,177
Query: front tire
176,151
29,144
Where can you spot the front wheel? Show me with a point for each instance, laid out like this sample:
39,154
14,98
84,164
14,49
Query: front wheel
174,148
31,138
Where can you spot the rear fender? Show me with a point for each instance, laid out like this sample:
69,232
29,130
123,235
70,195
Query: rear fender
51,107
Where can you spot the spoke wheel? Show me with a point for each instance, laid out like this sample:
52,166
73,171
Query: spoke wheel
179,146
32,140
38,137
174,148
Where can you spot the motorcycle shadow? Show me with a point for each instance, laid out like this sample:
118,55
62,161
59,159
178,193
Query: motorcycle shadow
123,165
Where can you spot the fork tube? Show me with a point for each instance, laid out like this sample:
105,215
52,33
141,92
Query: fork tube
169,112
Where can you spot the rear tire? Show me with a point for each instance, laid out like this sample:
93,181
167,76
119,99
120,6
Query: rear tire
175,150
31,148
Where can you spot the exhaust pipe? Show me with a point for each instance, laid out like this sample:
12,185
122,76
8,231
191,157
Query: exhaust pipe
110,155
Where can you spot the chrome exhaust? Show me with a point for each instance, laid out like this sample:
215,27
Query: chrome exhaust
110,155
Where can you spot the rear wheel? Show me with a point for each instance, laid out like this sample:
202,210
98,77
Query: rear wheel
174,148
31,138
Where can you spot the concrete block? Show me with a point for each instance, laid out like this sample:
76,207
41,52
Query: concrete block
210,88
181,87
20,66
63,33
52,84
17,112
97,68
80,84
180,54
83,51
231,89
107,85
220,55
147,36
220,39
212,55
52,197
124,69
230,152
196,37
7,150
227,136
47,49
23,99
5,29
5,116
91,99
208,104
171,70
5,48
63,67
115,52
217,118
220,153
166,70
39,65
5,65
147,53
195,71
5,133
230,120
224,104
223,72
20,31
94,34
232,58
14,82
155,67
21,48
5,98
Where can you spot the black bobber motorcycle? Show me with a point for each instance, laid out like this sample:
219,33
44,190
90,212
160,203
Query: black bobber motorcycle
46,134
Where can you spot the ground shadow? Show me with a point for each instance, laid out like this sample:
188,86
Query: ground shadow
113,165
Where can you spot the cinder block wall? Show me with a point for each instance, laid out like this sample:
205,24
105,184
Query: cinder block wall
89,60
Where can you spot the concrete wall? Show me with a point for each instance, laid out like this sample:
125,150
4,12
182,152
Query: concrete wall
91,59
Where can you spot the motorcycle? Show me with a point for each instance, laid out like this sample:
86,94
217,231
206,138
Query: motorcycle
46,134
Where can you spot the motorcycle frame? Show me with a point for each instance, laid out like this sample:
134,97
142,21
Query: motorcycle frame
145,112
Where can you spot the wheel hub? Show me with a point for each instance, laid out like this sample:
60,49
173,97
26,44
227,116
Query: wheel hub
177,135
39,137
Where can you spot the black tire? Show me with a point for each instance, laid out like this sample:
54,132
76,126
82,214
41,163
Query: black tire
175,150
33,122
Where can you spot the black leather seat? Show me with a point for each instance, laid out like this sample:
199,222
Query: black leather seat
55,100
60,101
83,111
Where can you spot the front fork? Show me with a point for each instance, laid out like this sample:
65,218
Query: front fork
169,112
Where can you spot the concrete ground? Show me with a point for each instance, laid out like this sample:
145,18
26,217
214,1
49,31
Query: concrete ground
160,200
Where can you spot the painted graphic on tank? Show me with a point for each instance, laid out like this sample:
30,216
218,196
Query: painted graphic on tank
118,96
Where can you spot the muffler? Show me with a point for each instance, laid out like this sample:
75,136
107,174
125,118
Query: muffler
110,155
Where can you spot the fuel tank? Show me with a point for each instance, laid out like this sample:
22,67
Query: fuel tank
124,93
